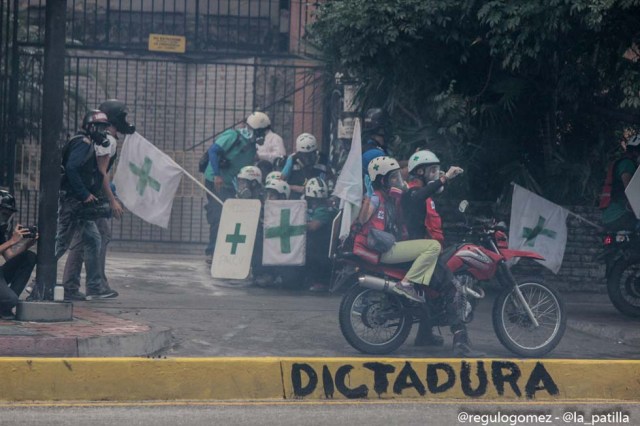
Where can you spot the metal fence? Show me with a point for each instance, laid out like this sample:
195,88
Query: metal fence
178,102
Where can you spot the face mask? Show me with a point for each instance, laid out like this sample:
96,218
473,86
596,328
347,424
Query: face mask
395,193
272,195
260,134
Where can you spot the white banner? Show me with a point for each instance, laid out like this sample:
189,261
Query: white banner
349,184
285,232
632,191
236,237
538,225
147,180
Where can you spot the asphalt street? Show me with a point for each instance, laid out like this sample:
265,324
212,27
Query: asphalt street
221,318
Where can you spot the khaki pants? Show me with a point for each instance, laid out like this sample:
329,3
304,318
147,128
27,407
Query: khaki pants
423,253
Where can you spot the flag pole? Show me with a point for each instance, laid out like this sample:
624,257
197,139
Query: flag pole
201,185
577,216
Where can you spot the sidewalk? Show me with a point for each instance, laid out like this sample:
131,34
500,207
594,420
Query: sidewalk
164,298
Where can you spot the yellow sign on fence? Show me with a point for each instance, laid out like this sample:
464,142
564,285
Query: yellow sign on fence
167,43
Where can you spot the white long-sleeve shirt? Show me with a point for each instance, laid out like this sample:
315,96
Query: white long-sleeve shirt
272,148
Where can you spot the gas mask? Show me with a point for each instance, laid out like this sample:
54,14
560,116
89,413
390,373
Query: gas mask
99,135
5,218
123,126
246,133
271,194
260,135
245,189
307,158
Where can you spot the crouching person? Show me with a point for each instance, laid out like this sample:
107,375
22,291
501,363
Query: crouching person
320,217
14,245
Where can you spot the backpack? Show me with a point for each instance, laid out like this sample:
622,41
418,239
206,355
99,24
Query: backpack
66,150
223,162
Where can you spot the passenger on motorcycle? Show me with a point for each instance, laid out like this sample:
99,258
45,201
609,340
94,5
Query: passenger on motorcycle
423,220
374,242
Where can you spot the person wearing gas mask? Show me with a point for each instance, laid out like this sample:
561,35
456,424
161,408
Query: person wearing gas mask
383,236
423,221
80,191
320,215
19,261
249,183
105,156
231,151
305,164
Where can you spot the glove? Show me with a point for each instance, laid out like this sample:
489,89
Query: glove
453,172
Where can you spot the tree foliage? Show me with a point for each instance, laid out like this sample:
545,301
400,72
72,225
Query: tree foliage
532,90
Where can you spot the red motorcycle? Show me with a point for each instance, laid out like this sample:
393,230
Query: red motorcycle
528,315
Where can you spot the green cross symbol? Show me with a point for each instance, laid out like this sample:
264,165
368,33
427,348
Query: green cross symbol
531,234
416,158
376,167
285,231
144,178
235,239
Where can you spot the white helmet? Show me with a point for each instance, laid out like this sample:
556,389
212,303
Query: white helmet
306,142
422,157
258,120
274,175
381,166
634,141
250,173
280,186
316,188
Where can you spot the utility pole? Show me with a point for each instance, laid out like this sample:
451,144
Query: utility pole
52,107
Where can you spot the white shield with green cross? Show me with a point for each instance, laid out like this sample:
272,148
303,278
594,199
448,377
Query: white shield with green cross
236,237
285,232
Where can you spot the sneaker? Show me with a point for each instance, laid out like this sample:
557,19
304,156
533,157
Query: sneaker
106,293
408,291
74,295
263,280
208,259
7,314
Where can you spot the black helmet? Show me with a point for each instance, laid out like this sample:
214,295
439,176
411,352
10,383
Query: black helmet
94,116
7,201
375,119
117,112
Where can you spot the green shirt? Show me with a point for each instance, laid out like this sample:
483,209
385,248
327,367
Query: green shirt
618,206
239,155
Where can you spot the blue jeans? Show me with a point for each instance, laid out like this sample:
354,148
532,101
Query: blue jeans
68,225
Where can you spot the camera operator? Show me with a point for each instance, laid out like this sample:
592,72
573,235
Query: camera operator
14,242
79,200
117,115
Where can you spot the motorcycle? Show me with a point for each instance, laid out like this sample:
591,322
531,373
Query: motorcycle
528,315
622,257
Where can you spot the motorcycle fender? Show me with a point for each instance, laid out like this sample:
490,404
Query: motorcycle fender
510,254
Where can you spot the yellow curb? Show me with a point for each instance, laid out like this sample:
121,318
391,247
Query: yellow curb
317,379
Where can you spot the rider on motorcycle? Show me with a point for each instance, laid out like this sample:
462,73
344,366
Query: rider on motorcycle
386,223
423,220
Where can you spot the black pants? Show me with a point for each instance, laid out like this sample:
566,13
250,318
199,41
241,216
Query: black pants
214,211
14,276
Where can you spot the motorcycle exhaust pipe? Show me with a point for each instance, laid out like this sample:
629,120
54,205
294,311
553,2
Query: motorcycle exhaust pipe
376,283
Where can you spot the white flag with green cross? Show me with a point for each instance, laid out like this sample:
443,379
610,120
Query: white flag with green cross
146,180
538,225
285,232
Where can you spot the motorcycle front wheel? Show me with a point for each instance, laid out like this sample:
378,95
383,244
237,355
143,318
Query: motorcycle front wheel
623,286
513,326
373,322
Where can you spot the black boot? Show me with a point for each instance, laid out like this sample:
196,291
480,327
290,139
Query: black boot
462,345
426,336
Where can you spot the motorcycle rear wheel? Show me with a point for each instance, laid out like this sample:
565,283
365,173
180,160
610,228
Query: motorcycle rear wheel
623,286
372,321
513,326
